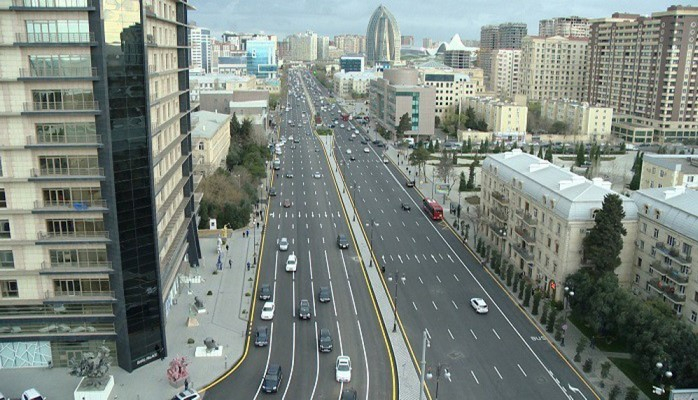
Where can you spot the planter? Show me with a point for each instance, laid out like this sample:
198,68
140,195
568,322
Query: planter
86,391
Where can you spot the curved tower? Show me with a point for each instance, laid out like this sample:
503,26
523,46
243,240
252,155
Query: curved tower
382,37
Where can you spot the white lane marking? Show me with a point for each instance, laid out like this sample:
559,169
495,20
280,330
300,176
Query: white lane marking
417,258
382,240
407,256
450,334
310,265
400,258
327,262
339,334
333,304
425,257
416,222
389,224
474,377
438,279
414,305
293,356
522,371
391,258
317,363
433,258
434,304
293,293
497,371
398,239
414,241
420,280
351,292
323,238
442,257
429,240
403,223
454,304
363,347
456,277
276,269
449,257
428,334
271,339
473,333
496,334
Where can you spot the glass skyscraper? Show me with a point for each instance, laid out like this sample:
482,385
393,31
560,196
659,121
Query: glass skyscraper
261,59
383,40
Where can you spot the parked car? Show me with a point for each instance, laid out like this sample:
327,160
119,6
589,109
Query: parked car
343,369
272,192
324,295
325,341
32,394
409,183
261,336
479,305
265,291
272,379
268,311
189,394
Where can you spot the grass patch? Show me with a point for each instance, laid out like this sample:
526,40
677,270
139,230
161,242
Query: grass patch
631,370
324,131
613,346
574,158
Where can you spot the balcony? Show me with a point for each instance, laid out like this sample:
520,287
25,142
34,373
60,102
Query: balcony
87,106
78,267
497,229
50,311
524,253
499,214
72,73
78,296
62,173
53,5
64,140
669,272
72,237
59,39
668,291
525,234
673,253
69,206
500,198
527,218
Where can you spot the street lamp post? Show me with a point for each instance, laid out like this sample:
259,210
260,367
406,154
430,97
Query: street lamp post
373,223
396,276
569,293
664,372
423,363
441,370
433,182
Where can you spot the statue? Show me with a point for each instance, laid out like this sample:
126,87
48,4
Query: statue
210,344
93,367
198,303
177,372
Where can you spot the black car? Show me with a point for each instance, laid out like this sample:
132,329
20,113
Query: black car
352,158
272,379
265,291
325,340
304,309
363,141
261,336
380,144
324,295
272,192
342,241
409,183
376,141
405,206
349,394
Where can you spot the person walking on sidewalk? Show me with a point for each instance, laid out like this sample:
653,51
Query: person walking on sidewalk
230,264
248,265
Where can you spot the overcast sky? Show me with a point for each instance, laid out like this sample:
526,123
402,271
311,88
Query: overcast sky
437,19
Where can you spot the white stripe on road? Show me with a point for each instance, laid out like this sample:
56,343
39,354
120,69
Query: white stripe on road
339,334
271,338
456,276
449,257
414,305
450,334
471,331
522,371
500,375
420,280
438,279
317,362
363,347
454,304
496,334
474,377
435,307
293,356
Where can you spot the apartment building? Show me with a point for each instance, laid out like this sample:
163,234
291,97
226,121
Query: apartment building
502,117
398,93
537,214
97,218
494,37
505,72
669,170
553,68
219,82
347,84
451,85
663,261
455,54
565,26
351,44
210,138
302,46
201,48
643,67
323,47
587,123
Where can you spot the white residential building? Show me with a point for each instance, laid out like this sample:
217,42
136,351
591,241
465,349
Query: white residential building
587,123
502,117
201,48
452,85
506,72
348,83
210,137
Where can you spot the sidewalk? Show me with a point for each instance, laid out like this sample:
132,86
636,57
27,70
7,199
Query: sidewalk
225,320
572,336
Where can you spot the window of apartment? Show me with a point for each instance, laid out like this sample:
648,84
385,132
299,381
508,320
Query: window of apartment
639,261
58,31
655,234
3,198
637,278
201,145
4,229
694,316
549,241
656,214
686,249
60,65
7,260
670,240
66,99
9,289
641,244
78,132
643,228
78,257
557,248
559,228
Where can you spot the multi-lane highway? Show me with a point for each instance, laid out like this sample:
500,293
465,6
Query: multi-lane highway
497,355
307,212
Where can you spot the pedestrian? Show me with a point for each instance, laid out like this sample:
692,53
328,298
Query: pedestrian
186,384
592,342
248,233
248,265
243,233
230,264
257,224
227,247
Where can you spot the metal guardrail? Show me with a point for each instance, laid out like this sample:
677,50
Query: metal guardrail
62,106
72,235
56,38
53,3
37,172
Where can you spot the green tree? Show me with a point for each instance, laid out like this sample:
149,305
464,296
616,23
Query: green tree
550,327
581,346
602,246
470,145
485,147
632,393
510,274
558,127
430,147
536,302
544,314
527,295
515,286
581,155
419,157
454,158
462,184
637,172
471,174
522,283
404,125
614,393
540,152
549,154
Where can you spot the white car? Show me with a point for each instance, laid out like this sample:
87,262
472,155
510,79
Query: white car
343,369
317,175
291,263
32,394
348,151
268,311
341,126
290,138
367,150
479,305
189,394
283,244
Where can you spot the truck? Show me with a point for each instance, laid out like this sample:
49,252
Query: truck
318,120
345,117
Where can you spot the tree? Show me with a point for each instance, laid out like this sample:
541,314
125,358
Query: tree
540,152
510,274
404,125
454,158
602,246
581,346
463,184
536,302
527,295
614,393
632,393
470,145
549,154
444,168
471,174
544,314
485,147
430,147
419,158
550,327
637,172
581,155
234,126
558,127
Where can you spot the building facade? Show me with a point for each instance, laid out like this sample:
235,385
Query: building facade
650,83
493,37
351,44
667,233
502,117
553,68
587,123
323,47
351,63
537,214
349,84
261,59
455,54
98,220
505,72
407,40
398,93
382,38
669,170
210,138
302,46
201,48
565,26
451,85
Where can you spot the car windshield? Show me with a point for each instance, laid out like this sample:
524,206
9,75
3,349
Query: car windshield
343,366
267,308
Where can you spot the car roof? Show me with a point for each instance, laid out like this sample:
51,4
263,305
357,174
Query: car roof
273,368
324,331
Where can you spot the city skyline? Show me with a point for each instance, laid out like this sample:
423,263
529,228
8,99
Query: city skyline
330,18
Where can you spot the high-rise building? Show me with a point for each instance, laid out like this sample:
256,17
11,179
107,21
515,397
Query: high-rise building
553,68
201,48
323,47
398,93
407,40
351,63
493,37
351,44
261,59
565,27
643,67
489,37
303,46
455,54
99,221
510,35
506,72
382,37
427,43
451,85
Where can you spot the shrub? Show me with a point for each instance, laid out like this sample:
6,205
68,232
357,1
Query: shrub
510,274
517,278
544,314
587,365
551,321
536,302
190,341
614,393
605,369
521,288
632,393
527,295
209,293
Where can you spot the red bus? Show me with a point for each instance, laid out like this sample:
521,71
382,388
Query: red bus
432,207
